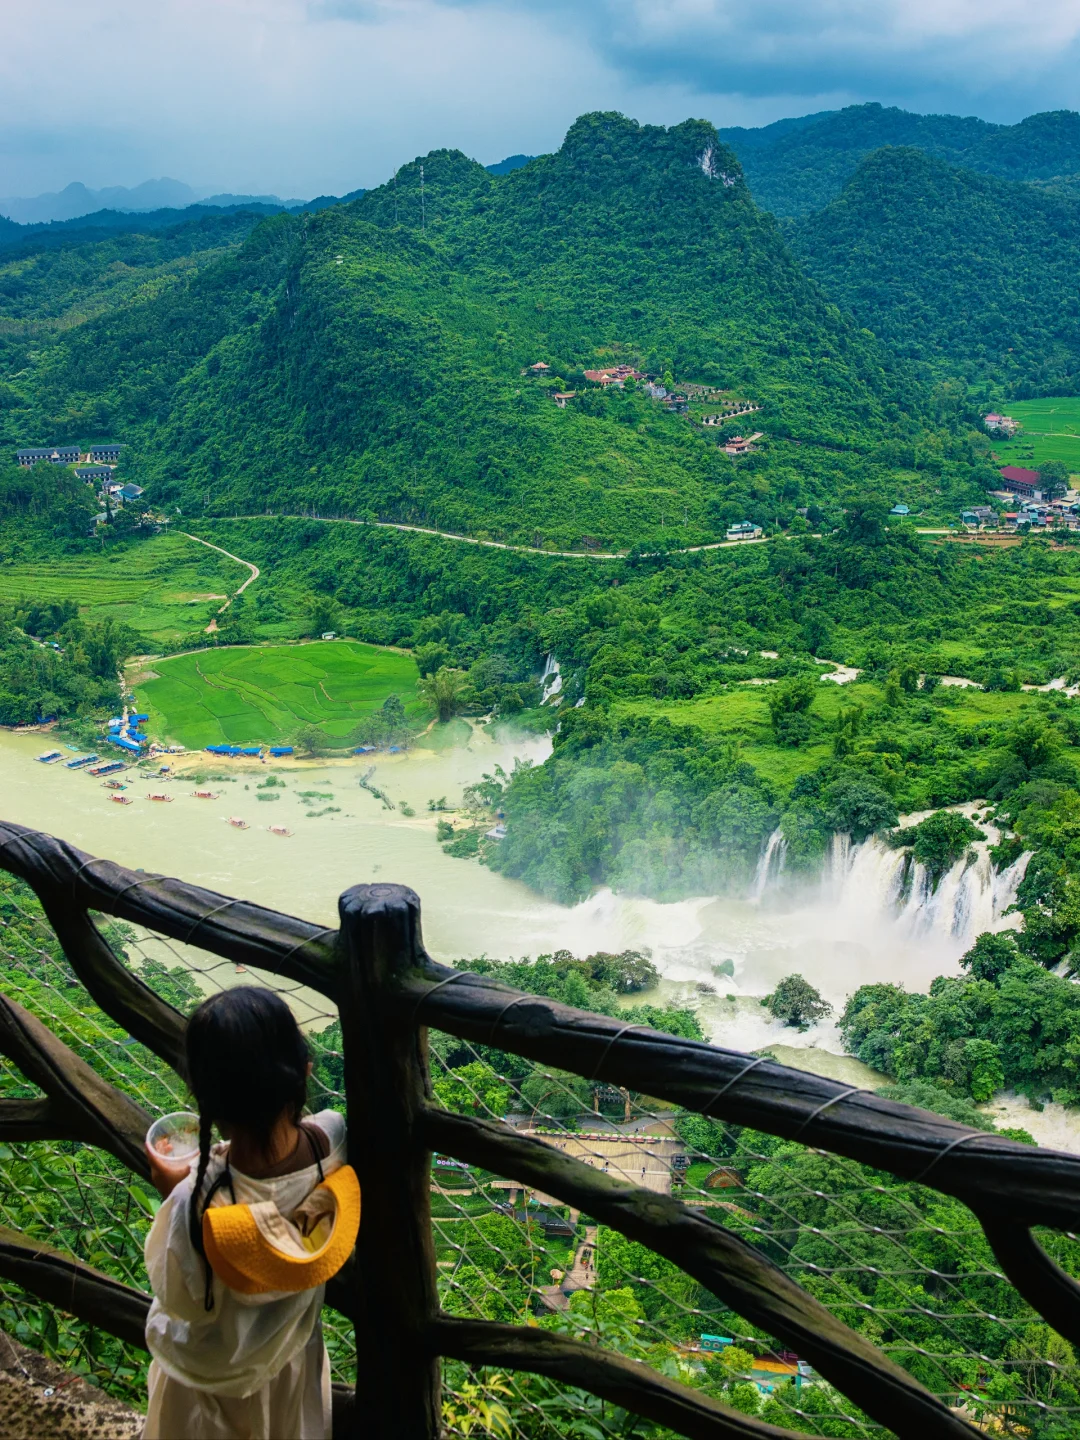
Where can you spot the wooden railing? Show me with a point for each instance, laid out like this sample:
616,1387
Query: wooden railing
388,992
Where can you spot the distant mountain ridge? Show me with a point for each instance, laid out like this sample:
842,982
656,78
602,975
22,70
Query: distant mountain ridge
77,200
795,167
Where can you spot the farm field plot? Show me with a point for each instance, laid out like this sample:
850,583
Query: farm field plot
161,587
1051,432
260,694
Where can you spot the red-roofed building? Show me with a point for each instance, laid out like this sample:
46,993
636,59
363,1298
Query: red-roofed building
1021,482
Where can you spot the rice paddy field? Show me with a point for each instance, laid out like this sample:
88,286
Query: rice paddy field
263,694
1051,432
165,588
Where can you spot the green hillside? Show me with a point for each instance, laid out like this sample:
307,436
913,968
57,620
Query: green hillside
968,274
797,167
368,360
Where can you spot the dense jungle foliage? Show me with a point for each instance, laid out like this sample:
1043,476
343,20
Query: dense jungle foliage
795,167
967,274
368,360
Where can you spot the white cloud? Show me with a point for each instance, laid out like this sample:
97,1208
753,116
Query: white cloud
301,96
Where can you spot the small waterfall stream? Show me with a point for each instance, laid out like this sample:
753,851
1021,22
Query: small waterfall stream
771,864
551,680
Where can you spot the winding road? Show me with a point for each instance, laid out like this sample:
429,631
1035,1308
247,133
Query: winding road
255,572
470,540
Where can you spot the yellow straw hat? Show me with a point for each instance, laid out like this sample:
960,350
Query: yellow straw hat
255,1249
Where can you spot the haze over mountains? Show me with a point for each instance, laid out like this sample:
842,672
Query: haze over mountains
76,200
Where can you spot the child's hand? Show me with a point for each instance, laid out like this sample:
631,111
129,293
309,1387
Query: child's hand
165,1174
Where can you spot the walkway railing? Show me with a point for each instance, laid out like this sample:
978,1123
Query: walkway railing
388,992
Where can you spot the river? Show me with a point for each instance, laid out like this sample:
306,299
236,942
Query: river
720,954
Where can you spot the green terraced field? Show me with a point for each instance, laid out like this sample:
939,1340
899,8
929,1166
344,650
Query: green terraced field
1051,432
263,694
159,587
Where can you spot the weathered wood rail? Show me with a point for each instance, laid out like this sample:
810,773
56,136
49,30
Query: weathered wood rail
388,992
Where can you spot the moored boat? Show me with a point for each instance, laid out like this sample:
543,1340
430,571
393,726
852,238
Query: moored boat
157,795
110,767
48,757
115,784
238,823
279,830
205,794
80,761
121,799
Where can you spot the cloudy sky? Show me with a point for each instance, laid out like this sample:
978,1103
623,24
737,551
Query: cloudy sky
301,97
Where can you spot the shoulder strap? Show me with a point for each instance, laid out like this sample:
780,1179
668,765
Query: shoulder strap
315,1151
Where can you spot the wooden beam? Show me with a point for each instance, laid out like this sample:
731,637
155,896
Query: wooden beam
41,1119
74,1287
112,986
386,1086
1033,1186
726,1265
236,929
1040,1280
613,1377
85,1106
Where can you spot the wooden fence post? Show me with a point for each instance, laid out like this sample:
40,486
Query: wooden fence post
386,1084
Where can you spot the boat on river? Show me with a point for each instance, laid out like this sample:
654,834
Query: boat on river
237,823
115,784
279,830
110,767
80,762
205,794
48,757
157,795
121,799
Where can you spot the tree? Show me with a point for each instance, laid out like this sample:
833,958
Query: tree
311,739
323,615
797,1003
991,956
789,704
1053,478
473,1089
443,691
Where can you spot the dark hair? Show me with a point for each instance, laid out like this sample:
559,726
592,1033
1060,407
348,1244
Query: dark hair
246,1063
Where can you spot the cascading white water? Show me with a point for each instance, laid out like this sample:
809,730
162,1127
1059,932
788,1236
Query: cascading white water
868,879
551,680
771,864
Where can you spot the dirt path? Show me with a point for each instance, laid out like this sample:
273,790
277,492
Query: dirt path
228,553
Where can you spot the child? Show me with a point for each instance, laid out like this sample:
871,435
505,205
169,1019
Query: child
244,1363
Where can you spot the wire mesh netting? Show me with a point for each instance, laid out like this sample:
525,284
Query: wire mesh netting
79,1199
903,1265
900,1263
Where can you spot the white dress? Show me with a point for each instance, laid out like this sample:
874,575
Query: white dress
255,1366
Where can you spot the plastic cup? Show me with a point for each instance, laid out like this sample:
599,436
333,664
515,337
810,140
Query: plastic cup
174,1138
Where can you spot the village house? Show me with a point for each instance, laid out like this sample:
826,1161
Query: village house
540,370
676,404
104,454
130,492
51,454
744,530
1019,481
1000,424
614,375
93,474
742,445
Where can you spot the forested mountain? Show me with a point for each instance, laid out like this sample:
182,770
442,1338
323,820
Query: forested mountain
973,275
50,284
371,358
796,167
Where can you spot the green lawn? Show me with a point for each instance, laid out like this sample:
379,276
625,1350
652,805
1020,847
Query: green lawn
262,694
159,586
1051,432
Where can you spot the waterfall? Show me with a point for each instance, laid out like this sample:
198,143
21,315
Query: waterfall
868,884
771,864
551,680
